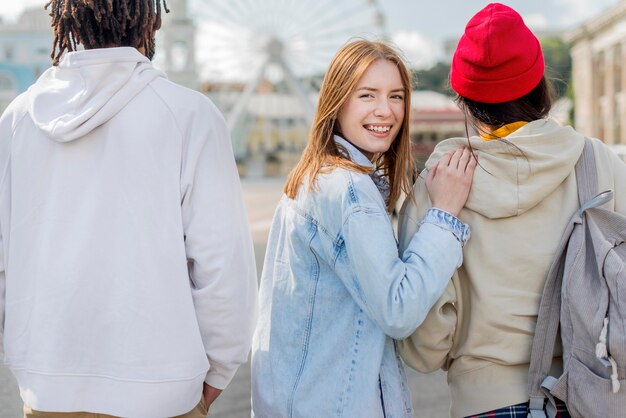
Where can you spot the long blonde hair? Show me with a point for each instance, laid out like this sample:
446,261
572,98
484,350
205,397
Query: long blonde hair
322,153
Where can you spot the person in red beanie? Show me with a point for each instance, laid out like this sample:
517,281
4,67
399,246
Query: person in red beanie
481,329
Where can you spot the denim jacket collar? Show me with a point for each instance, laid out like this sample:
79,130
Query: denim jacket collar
354,154
381,182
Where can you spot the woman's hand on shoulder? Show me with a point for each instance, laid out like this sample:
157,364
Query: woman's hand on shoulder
450,179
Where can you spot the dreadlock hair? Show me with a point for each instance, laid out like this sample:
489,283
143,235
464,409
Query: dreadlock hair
104,23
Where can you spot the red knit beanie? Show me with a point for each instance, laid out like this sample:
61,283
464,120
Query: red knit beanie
498,59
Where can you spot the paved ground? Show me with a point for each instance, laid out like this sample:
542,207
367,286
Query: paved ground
430,392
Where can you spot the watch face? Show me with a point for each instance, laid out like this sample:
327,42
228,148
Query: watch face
179,56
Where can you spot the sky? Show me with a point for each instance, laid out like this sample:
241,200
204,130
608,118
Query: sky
419,27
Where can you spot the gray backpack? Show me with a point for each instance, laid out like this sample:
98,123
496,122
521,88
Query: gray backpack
585,294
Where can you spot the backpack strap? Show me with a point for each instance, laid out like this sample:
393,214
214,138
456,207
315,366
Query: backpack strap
549,314
587,181
546,330
586,174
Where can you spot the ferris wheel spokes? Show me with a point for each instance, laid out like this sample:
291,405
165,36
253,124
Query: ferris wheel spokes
274,50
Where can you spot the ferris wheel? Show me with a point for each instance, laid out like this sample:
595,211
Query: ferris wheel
287,44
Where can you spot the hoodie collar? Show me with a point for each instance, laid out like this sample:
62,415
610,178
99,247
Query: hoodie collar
102,56
87,89
516,175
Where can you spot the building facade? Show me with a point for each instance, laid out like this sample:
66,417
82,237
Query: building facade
176,45
25,48
433,118
599,75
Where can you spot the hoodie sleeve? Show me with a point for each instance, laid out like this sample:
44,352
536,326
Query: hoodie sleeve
427,349
611,175
2,295
218,246
7,123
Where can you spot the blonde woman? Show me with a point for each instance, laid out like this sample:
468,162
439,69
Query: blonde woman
334,289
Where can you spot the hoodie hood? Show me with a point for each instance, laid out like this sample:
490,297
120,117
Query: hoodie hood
87,89
518,175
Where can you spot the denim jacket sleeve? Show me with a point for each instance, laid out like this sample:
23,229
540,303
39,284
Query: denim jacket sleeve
397,290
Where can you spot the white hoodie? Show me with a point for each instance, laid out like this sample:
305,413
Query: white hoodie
127,265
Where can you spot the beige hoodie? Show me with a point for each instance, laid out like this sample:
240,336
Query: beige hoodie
481,329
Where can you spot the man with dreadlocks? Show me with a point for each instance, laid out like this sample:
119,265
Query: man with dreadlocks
127,276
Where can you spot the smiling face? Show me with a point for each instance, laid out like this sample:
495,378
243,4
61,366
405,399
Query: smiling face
372,116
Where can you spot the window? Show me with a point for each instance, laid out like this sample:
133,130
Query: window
8,89
9,52
7,82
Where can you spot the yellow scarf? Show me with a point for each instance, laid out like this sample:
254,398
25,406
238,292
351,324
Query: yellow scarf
504,131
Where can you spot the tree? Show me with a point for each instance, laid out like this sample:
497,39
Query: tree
434,78
556,53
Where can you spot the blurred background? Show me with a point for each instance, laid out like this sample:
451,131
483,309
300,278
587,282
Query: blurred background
262,62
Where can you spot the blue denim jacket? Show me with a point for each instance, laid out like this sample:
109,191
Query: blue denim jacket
334,292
